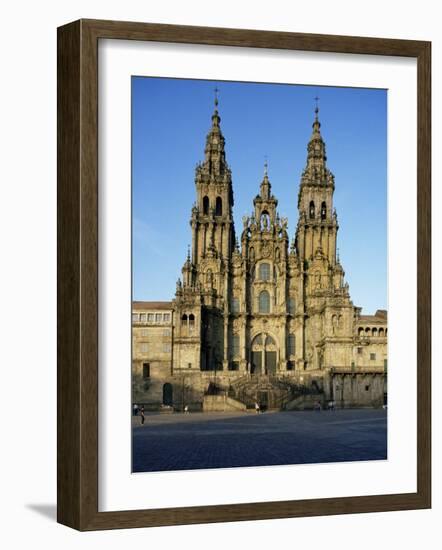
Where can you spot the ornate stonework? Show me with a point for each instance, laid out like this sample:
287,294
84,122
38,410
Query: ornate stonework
257,319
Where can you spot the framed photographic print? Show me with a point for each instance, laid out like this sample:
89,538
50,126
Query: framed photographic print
243,275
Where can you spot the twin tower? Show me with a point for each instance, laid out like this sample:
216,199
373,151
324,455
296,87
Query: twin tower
256,303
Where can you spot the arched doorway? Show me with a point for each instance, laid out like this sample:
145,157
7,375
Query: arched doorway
264,354
168,394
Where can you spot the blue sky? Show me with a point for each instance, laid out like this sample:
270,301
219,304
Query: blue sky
170,121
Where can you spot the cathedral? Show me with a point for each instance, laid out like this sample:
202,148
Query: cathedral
258,317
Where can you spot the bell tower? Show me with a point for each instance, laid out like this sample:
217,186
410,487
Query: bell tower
213,232
317,222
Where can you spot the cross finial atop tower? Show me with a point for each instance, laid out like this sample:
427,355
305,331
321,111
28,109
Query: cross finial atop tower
266,166
317,106
216,90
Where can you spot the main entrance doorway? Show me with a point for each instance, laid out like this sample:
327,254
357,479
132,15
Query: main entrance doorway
264,355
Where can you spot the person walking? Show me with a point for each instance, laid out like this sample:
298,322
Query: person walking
256,407
135,409
142,414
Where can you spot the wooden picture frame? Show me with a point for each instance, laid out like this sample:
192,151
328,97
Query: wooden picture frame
78,274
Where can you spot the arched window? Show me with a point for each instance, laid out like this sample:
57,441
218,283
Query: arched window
312,210
361,332
264,302
264,272
269,341
205,205
219,206
374,332
184,319
381,332
257,341
291,344
367,331
323,211
191,320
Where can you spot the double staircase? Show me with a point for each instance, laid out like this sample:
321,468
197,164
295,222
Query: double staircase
270,391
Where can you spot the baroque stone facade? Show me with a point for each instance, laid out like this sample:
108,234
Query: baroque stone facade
259,318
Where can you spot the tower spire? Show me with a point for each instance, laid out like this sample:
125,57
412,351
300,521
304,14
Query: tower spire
316,168
213,231
214,164
266,187
315,201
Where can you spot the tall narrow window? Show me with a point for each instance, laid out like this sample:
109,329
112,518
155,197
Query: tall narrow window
235,345
146,370
219,206
291,344
312,210
191,320
184,319
264,272
323,211
205,205
292,306
264,302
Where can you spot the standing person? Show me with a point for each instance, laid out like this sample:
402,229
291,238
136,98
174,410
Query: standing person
256,407
142,414
135,409
186,409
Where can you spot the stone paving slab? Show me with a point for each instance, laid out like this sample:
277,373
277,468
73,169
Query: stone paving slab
227,440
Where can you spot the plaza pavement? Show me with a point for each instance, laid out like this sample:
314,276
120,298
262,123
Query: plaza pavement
224,440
